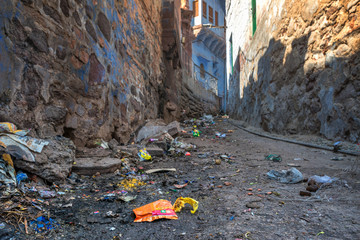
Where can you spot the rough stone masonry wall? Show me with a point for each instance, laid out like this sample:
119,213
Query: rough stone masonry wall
300,73
85,69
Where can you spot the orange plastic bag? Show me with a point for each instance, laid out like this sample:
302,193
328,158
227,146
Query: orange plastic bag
155,210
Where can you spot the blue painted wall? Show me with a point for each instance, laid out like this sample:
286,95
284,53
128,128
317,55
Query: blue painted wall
202,54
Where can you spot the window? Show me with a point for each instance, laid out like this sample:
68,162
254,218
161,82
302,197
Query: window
202,71
211,16
196,8
204,6
216,18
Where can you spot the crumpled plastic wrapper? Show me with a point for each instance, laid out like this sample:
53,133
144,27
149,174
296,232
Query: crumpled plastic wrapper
180,203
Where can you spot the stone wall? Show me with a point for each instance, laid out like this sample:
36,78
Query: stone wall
299,73
80,68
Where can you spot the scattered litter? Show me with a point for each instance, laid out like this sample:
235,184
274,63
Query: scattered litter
181,186
144,155
180,203
323,179
43,224
298,159
205,155
196,133
102,144
320,233
337,158
155,210
293,165
6,127
274,158
160,170
131,184
337,146
69,205
20,176
7,178
47,194
177,144
127,198
276,193
111,214
187,154
18,144
208,118
227,183
217,161
286,176
219,135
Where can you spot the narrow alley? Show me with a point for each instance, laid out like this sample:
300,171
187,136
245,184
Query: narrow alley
180,119
227,176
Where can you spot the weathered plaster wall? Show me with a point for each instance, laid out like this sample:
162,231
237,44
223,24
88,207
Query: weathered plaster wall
299,73
80,68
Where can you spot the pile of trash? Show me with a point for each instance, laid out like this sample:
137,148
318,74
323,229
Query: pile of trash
14,144
204,121
24,163
179,148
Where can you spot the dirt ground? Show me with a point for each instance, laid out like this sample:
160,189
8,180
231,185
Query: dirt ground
226,210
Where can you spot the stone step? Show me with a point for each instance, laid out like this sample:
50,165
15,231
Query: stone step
90,166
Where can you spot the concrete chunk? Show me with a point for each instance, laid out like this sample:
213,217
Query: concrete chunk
153,129
155,151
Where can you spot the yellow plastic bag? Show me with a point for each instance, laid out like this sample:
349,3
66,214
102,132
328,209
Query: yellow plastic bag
144,155
155,210
180,203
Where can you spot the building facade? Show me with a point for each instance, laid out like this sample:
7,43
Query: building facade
292,66
208,45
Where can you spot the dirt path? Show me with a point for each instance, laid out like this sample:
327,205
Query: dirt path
225,212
